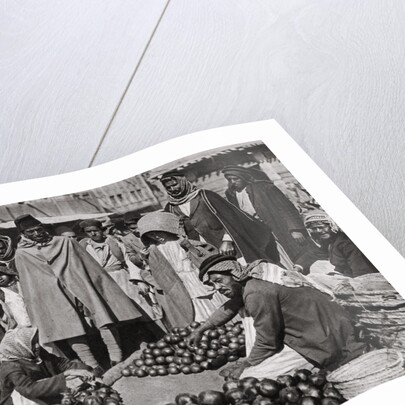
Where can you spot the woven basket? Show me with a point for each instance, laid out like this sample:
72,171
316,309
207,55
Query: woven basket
367,371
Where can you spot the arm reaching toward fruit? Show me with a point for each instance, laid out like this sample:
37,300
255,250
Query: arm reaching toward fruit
221,316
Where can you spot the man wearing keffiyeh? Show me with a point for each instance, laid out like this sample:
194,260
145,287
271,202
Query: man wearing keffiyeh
285,309
63,286
210,218
338,248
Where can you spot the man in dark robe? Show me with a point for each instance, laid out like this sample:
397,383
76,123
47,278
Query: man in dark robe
342,253
263,200
62,285
210,218
300,317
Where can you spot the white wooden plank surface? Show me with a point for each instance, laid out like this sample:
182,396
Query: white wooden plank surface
64,66
330,72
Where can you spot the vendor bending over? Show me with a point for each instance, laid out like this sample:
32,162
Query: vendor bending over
297,316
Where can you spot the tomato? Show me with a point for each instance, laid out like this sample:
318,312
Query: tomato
205,365
201,352
182,345
139,363
211,398
167,351
126,372
211,354
248,382
176,330
318,379
151,345
140,373
161,344
230,385
156,352
224,341
184,333
173,370
332,393
290,395
314,392
186,369
268,388
169,359
213,334
302,375
195,324
223,351
286,380
199,359
195,368
92,400
233,357
186,361
162,371
160,360
233,347
235,396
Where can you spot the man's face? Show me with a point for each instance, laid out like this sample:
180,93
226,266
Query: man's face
235,182
225,284
173,187
320,232
95,233
37,233
3,248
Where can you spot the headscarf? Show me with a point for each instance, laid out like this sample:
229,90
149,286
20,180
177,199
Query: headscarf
188,190
160,221
17,345
259,269
320,216
238,171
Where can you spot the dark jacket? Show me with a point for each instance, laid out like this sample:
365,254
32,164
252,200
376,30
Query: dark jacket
23,376
278,212
303,318
211,216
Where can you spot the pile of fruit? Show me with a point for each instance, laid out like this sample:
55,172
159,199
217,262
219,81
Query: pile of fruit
97,394
173,355
302,388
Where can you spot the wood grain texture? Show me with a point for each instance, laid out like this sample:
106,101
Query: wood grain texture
64,66
330,72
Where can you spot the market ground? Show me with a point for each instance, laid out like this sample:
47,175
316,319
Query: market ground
162,390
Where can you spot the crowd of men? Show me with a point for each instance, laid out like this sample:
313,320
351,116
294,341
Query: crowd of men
201,258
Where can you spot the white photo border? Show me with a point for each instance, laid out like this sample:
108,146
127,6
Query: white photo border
370,241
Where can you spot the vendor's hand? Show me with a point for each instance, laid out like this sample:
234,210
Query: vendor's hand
227,248
194,338
298,236
144,254
84,375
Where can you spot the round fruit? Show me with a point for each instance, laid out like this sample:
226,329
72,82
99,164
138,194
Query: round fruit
211,398
168,338
233,357
229,335
182,344
139,362
151,345
167,351
230,385
262,401
268,388
162,371
184,333
235,396
186,361
290,395
241,340
187,354
314,392
236,330
304,386
318,379
92,400
286,380
152,372
161,344
180,352
140,373
224,341
221,330
111,401
233,347
200,352
204,345
205,365
211,354
169,359
173,370
223,351
126,372
175,339
213,334
332,393
147,356
248,382
186,399
178,360
251,393
156,352
186,370
215,345
195,368
199,359
302,375
175,330
160,360
194,325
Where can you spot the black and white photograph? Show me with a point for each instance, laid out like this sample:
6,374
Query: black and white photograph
215,279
